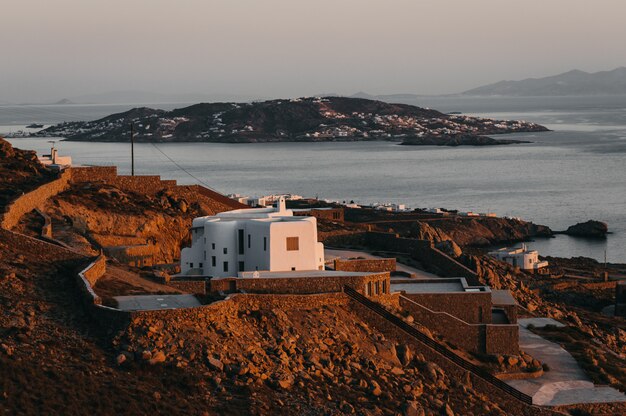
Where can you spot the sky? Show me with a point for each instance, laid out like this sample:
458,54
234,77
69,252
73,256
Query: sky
288,48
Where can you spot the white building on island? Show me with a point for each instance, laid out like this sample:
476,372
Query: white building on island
520,257
264,239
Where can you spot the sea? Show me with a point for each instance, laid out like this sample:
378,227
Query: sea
571,174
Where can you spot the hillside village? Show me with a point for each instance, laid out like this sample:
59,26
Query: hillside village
301,119
189,301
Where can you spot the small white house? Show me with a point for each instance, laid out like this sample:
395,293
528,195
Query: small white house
54,161
264,239
520,257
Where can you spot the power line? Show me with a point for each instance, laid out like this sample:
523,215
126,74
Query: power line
182,168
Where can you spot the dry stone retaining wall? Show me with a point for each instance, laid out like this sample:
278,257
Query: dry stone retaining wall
33,200
366,265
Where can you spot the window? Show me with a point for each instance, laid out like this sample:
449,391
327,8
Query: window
200,265
293,243
205,240
225,250
212,246
248,240
293,269
240,240
225,266
204,255
191,265
241,266
213,261
264,243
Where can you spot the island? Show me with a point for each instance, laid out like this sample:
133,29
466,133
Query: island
312,119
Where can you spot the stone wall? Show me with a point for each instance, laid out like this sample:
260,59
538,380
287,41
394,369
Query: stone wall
423,251
370,285
93,173
453,370
466,306
88,277
620,298
479,338
366,265
333,214
189,286
33,199
502,339
137,255
451,328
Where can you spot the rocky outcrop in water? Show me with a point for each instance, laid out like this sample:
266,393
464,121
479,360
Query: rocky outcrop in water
589,229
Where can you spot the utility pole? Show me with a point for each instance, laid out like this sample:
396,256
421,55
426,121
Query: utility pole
132,149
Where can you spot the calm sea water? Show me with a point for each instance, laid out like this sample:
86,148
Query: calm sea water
574,173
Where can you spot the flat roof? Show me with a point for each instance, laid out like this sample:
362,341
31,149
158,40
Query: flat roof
427,287
502,297
443,285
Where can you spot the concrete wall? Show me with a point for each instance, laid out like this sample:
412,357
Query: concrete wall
33,199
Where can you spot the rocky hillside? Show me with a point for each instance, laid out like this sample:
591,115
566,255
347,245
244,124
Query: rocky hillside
302,119
20,172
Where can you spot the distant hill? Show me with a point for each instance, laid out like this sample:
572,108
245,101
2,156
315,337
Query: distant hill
309,119
569,83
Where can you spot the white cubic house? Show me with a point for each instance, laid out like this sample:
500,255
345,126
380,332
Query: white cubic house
263,239
520,257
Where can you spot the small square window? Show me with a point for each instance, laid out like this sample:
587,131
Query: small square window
225,250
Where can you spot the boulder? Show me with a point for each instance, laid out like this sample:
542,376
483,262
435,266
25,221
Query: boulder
412,408
589,229
215,364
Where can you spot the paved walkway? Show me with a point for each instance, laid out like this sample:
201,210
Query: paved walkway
331,254
155,302
565,383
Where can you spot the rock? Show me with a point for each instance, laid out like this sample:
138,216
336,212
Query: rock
146,355
215,364
121,359
447,410
449,247
404,354
157,358
589,229
412,408
285,382
375,388
512,361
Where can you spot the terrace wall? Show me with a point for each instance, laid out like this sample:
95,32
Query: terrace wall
463,305
365,265
423,251
369,285
33,200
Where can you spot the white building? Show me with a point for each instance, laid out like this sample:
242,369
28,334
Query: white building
520,257
54,161
264,239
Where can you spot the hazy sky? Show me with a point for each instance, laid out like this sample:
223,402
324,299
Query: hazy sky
280,48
